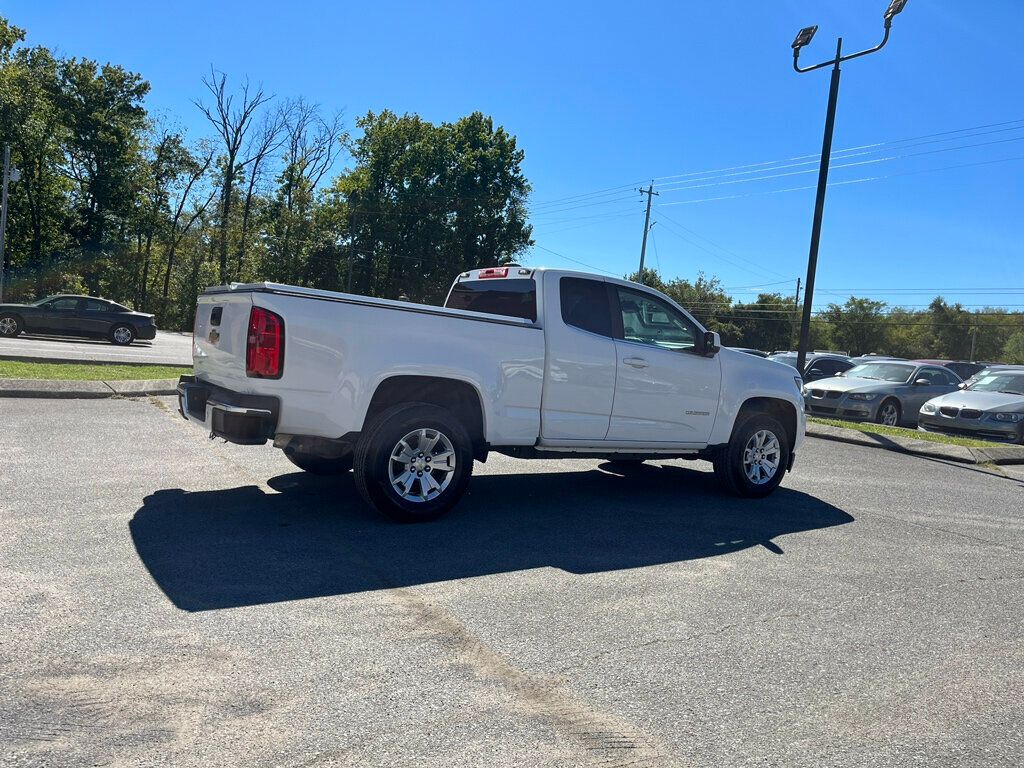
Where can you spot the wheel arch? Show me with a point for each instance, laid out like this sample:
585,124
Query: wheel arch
456,395
783,410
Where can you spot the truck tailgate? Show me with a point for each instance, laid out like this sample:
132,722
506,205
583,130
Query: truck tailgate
219,339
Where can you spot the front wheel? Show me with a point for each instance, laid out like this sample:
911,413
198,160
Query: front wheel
889,414
122,335
10,326
756,457
414,462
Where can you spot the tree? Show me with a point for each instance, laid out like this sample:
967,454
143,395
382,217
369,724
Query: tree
858,326
950,330
1013,352
766,323
232,123
424,202
101,107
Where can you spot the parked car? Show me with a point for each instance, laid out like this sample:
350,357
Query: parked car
991,408
531,363
886,392
817,366
990,368
961,368
77,316
872,358
755,352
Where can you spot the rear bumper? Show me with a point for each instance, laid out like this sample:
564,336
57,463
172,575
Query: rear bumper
233,416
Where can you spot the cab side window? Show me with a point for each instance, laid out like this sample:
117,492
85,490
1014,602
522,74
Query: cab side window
585,305
649,320
92,305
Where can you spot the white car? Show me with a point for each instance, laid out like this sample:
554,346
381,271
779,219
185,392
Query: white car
532,363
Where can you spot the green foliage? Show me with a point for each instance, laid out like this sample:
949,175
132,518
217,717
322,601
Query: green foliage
424,202
1013,352
859,326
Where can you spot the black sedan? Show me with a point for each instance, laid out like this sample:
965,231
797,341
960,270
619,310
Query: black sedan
77,316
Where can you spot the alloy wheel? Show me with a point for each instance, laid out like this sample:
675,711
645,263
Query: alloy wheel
761,457
422,465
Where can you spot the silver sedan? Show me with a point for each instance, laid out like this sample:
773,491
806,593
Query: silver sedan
991,408
889,392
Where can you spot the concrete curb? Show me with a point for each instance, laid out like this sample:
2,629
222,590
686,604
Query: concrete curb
85,390
997,454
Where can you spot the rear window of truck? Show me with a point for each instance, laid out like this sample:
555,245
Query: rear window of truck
514,298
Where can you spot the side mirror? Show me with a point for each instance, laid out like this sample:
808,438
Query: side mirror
712,343
962,385
922,383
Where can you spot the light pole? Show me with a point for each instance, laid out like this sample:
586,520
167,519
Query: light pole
804,37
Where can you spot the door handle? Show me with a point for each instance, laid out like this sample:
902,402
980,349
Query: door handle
635,362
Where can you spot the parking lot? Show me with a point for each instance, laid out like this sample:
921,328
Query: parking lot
172,601
168,348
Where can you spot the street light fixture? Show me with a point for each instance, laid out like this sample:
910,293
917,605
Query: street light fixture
804,37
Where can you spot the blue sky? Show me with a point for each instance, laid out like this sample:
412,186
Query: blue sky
605,96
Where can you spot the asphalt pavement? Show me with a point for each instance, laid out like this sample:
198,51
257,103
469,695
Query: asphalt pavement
171,600
168,348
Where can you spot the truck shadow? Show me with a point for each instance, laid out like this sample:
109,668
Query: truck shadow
315,537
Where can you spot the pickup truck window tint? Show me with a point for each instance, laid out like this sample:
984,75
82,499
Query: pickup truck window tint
585,305
514,298
647,320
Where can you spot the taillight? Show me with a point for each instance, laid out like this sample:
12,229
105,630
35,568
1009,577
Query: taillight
486,274
264,349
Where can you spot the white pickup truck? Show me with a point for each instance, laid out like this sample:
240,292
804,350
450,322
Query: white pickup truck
531,363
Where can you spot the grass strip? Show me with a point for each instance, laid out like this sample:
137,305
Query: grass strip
912,434
17,369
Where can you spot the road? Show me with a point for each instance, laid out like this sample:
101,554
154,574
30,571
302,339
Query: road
169,600
168,348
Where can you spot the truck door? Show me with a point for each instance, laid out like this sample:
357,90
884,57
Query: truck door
579,376
665,391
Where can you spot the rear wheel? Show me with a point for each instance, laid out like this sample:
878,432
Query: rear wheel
754,461
414,462
889,413
10,326
320,465
122,335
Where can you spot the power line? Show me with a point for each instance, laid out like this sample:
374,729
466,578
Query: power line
848,149
842,183
575,261
841,165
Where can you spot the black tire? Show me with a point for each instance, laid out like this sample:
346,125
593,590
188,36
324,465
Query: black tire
729,460
122,334
320,465
890,401
373,460
7,330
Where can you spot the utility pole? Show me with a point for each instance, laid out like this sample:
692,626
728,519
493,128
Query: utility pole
647,225
796,308
804,37
3,212
351,249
